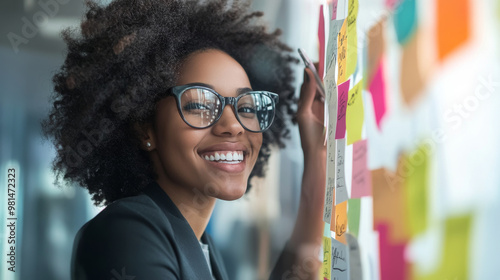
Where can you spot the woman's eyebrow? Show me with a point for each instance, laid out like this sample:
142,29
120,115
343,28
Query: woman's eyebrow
243,90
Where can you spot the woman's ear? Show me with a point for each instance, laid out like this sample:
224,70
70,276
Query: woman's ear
146,135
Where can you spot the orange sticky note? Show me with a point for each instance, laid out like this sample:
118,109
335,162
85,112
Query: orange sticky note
342,53
376,47
341,221
389,202
412,80
453,25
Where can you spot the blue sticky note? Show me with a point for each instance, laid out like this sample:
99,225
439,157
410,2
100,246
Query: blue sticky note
405,20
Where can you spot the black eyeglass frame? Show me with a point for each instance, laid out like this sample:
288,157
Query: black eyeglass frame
177,91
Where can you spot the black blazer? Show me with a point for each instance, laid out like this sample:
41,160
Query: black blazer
145,237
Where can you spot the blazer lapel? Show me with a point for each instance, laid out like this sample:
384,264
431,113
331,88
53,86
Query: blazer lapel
185,238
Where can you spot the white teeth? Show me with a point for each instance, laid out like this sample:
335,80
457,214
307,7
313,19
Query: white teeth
229,157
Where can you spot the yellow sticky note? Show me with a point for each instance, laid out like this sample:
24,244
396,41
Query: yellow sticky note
342,53
355,114
327,258
341,222
352,37
416,190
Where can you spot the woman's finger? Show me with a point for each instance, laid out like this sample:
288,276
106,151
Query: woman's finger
308,90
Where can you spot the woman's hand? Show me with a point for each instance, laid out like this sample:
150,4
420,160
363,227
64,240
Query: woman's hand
310,116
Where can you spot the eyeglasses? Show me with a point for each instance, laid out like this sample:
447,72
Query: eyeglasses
201,107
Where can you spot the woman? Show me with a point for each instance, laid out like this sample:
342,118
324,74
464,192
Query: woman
161,108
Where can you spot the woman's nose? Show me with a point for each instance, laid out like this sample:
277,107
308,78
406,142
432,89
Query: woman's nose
228,124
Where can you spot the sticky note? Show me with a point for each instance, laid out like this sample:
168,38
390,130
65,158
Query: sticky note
340,185
377,90
331,101
334,9
412,79
355,267
343,95
325,272
355,113
352,37
391,3
341,221
375,48
353,215
453,25
389,203
455,260
392,255
321,39
405,20
342,54
331,47
417,189
339,261
361,184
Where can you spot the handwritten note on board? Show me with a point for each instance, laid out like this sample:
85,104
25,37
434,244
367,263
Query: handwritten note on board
341,221
341,194
352,37
331,48
361,184
334,9
327,257
331,101
343,95
342,53
355,113
340,261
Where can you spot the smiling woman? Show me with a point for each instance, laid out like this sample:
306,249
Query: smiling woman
192,96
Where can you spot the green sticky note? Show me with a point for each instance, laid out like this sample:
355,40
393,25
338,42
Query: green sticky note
355,114
454,263
405,20
353,215
416,190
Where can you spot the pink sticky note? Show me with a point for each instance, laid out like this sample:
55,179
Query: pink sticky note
334,9
321,37
343,94
377,89
392,256
391,3
361,176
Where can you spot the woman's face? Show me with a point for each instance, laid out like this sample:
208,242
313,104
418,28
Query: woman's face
180,150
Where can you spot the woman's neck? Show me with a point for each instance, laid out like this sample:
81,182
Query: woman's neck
195,206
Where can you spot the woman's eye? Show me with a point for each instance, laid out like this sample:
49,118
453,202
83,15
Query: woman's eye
247,111
194,106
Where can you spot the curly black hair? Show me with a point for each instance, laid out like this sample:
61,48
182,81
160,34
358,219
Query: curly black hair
121,63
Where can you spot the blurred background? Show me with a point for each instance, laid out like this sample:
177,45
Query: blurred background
449,100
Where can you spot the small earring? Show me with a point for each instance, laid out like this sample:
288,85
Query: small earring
148,145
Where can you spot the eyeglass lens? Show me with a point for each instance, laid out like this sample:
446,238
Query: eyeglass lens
201,107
